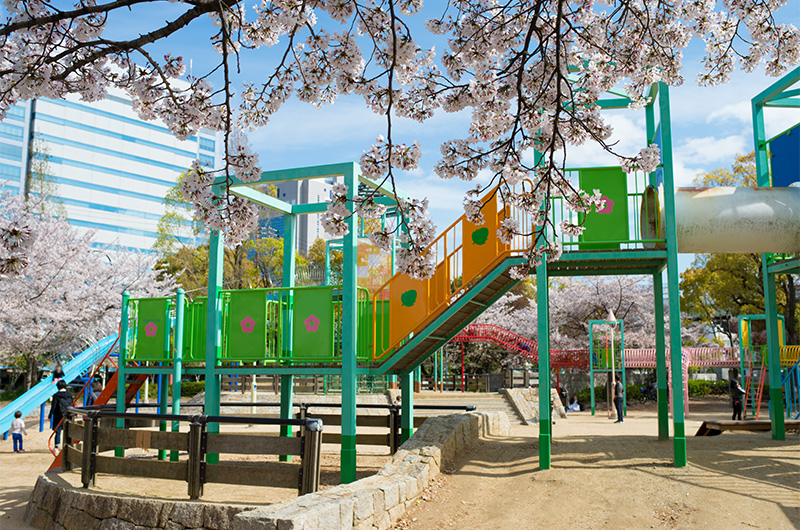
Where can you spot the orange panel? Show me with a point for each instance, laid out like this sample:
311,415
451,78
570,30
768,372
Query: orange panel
409,306
479,242
441,283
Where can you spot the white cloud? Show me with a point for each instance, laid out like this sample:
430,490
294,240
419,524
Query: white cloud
628,138
710,149
741,111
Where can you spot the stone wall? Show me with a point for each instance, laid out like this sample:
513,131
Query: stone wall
378,501
526,402
55,505
373,502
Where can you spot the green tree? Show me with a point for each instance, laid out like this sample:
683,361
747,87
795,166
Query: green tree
719,287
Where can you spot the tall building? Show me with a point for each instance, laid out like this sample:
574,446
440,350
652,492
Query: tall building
309,227
109,169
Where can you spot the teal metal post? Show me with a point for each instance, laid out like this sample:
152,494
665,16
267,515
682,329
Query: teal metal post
776,409
679,428
349,333
177,363
543,303
216,257
407,406
661,359
287,381
123,354
622,360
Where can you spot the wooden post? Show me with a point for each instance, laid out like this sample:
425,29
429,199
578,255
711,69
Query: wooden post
194,473
65,465
309,470
394,429
89,449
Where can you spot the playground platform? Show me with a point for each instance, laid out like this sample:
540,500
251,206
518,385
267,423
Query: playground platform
715,428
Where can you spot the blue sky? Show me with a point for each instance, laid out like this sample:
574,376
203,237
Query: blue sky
710,125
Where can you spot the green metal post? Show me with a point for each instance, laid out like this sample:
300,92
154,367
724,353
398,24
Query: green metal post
407,406
287,381
679,428
543,303
349,334
177,364
327,263
436,370
622,358
216,260
661,359
776,409
123,354
163,399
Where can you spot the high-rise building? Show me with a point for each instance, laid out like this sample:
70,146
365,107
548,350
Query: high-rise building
108,169
309,227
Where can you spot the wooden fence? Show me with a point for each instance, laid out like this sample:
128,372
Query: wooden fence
85,440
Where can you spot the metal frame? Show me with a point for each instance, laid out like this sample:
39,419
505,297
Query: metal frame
592,369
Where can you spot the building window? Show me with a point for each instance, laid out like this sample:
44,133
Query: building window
16,113
9,172
14,152
206,160
11,131
207,144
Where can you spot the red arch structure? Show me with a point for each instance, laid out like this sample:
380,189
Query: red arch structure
579,359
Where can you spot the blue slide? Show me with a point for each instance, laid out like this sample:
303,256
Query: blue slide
44,390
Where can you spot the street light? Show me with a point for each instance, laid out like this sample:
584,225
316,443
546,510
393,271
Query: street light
612,320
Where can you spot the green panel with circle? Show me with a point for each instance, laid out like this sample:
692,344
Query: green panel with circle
248,325
312,319
151,330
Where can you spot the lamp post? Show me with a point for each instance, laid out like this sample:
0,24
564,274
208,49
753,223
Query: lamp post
612,320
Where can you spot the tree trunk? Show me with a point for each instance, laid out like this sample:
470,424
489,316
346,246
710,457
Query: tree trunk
791,309
31,371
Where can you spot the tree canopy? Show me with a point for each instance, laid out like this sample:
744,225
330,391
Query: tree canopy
530,73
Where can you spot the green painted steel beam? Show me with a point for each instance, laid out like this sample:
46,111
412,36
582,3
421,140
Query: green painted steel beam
615,103
149,369
293,174
789,266
543,338
471,318
279,370
216,256
776,407
784,103
314,207
606,272
347,470
259,197
449,312
776,89
662,381
611,255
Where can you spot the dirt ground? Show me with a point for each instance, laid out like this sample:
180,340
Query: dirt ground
603,474
606,475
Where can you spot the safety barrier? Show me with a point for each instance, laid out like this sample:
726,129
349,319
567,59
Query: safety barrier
95,439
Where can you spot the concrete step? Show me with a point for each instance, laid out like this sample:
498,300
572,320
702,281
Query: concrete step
487,402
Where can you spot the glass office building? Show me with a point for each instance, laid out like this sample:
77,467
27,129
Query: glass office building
108,169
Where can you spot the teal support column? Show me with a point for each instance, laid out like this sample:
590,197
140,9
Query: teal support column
591,367
163,406
123,354
407,406
679,428
661,359
543,317
349,333
216,257
776,408
177,363
287,381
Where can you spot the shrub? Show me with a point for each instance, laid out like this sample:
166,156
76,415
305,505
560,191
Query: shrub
585,397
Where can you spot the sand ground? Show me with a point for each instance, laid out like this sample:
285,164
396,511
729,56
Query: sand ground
605,475
602,475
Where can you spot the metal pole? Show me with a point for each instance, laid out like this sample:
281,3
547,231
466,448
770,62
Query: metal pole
407,405
462,366
661,359
613,413
543,317
773,364
349,334
123,353
287,381
177,363
216,255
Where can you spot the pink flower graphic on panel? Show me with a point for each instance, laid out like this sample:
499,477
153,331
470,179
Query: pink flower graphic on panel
150,329
248,324
608,207
312,323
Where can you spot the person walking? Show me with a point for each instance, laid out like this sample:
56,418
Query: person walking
737,393
62,400
618,393
17,430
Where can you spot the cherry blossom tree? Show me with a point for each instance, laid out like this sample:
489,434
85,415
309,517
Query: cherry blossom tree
69,293
529,71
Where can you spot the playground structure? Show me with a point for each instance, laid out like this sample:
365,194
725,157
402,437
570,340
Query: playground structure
347,330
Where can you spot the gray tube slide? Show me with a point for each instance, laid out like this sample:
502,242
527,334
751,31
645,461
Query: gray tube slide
726,219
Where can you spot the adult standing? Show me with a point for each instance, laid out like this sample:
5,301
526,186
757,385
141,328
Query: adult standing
737,393
62,400
618,393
